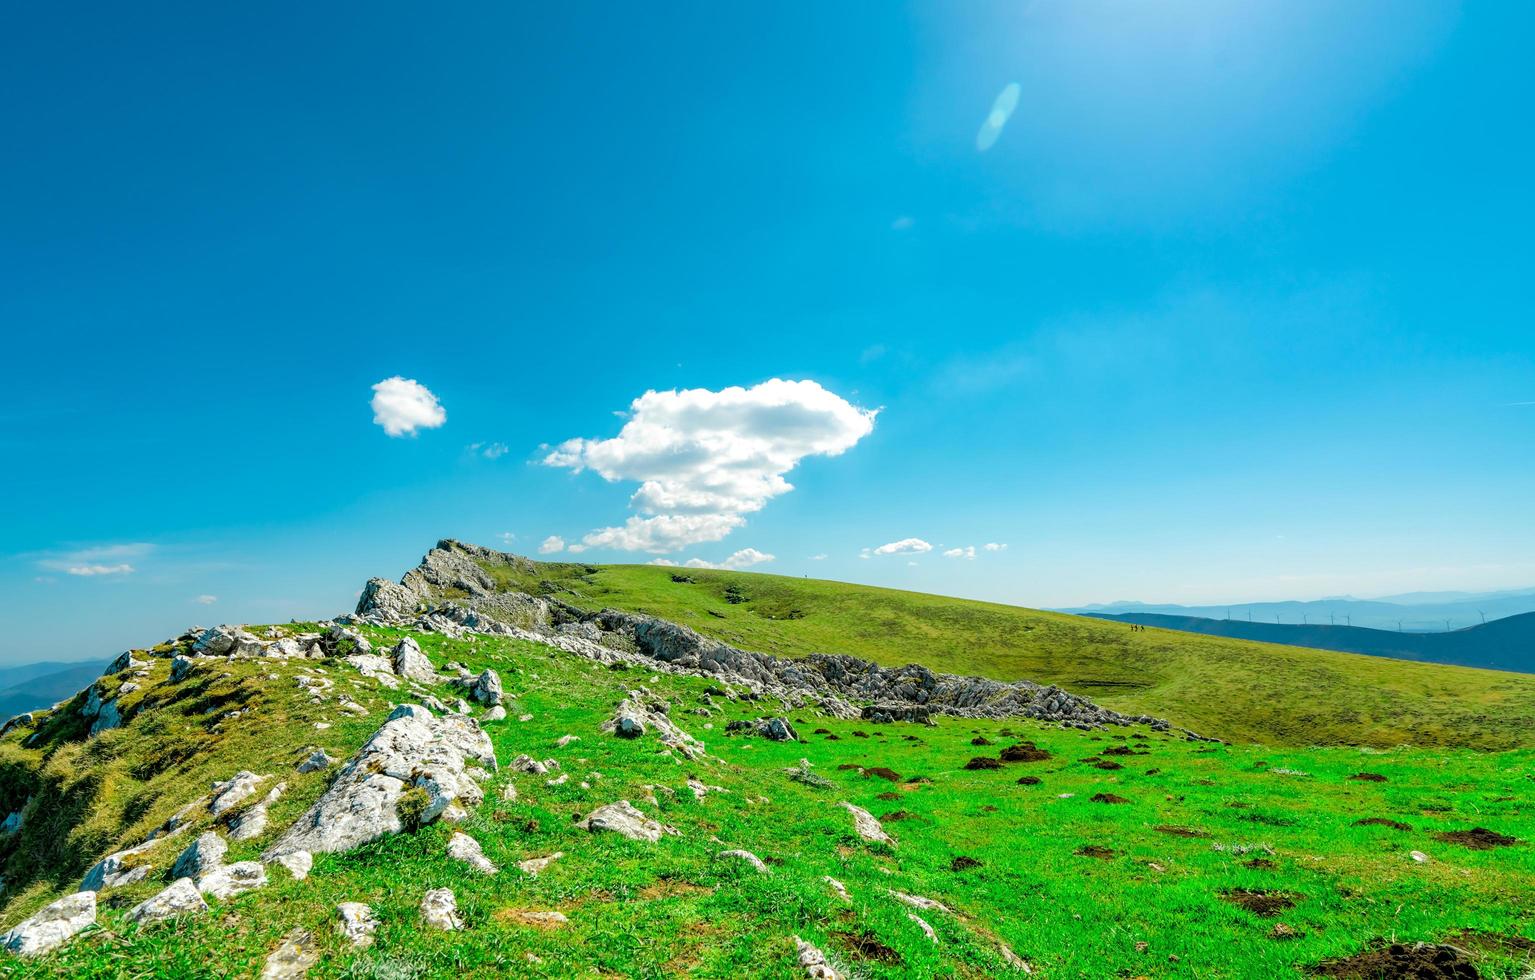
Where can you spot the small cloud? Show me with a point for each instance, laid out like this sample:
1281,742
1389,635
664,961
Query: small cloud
872,353
1001,111
741,559
967,553
490,450
818,557
912,564
576,549
122,568
902,223
507,537
666,562
552,544
994,546
206,600
1520,404
402,406
905,546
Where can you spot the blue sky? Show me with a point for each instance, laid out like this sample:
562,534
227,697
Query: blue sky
1235,304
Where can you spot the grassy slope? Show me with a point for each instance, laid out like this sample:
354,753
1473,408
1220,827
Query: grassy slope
1234,689
643,910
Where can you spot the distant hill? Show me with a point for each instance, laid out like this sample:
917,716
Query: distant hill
32,686
1503,644
1416,612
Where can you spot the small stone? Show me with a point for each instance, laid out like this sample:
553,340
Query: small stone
813,961
356,922
316,761
487,688
439,909
464,848
180,898
532,866
298,863
203,854
293,958
622,818
866,826
927,930
748,857
53,926
227,881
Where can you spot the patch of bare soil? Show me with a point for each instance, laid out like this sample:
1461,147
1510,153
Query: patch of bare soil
1106,764
1094,851
983,762
671,888
1260,864
1024,752
1382,822
888,796
980,740
1260,902
848,765
963,863
1367,777
1028,780
896,816
1492,942
1108,798
1118,750
1176,831
883,773
860,734
1420,961
1477,838
864,946
821,731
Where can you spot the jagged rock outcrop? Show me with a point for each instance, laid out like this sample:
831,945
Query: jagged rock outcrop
117,870
386,600
53,926
641,711
410,662
202,855
181,897
228,880
413,750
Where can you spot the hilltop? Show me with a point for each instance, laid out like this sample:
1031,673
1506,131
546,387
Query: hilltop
466,779
1502,644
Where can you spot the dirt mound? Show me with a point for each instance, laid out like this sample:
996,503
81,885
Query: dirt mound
1179,831
1367,777
1382,822
1028,780
888,796
1119,750
864,946
983,762
1477,838
980,740
1108,798
1422,961
963,863
883,773
821,731
1106,764
896,816
1260,864
1260,902
1094,851
1024,752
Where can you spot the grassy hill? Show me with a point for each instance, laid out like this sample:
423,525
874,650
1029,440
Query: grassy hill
1503,644
1234,689
1131,853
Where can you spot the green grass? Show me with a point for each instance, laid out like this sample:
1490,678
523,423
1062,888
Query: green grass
1232,689
669,909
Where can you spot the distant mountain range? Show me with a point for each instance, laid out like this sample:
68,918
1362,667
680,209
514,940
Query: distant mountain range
1502,644
1415,612
28,687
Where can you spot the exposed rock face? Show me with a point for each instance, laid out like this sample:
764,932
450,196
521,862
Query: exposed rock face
317,760
233,791
411,663
180,898
439,909
125,661
298,863
202,855
778,730
228,880
116,870
252,823
53,926
486,688
466,849
215,642
639,712
356,922
409,751
180,667
622,818
343,641
867,827
293,959
383,599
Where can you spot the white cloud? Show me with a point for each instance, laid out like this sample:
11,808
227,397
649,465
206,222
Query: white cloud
994,546
490,450
507,537
667,562
402,406
967,553
902,223
120,569
553,543
97,560
912,564
705,459
206,600
1001,111
905,546
741,559
821,557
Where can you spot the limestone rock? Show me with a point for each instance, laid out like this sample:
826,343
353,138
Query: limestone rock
622,818
407,752
228,880
464,848
356,922
343,641
124,661
293,959
384,600
201,856
411,663
927,930
813,961
215,642
298,863
180,898
778,730
53,926
498,713
317,760
919,902
486,688
233,791
181,666
867,827
532,866
638,713
439,909
748,857
116,870
252,823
